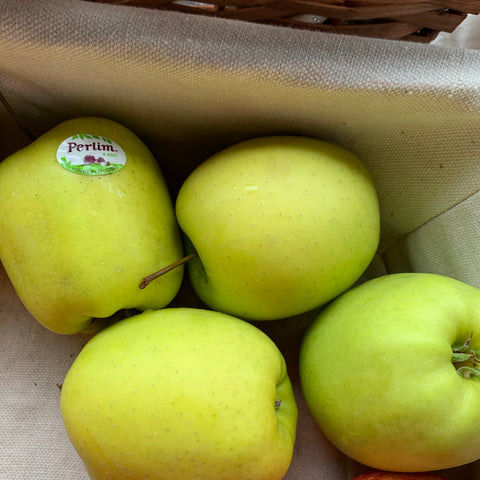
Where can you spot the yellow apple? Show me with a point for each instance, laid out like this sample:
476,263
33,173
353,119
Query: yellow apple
85,213
281,225
181,394
390,372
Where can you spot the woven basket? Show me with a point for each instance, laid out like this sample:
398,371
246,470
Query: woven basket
412,20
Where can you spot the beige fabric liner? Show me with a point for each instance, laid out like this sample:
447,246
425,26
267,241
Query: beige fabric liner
190,85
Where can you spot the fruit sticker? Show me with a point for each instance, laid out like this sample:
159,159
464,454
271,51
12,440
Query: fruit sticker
88,154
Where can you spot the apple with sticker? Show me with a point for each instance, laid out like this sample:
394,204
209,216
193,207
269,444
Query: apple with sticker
85,214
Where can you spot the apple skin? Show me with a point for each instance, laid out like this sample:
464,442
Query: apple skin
181,394
281,224
76,247
398,476
377,375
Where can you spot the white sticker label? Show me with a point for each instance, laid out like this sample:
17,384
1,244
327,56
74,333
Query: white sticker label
89,154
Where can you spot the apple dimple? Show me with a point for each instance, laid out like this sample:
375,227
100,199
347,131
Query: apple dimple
466,360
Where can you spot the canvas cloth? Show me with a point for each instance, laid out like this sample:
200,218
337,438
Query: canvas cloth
190,85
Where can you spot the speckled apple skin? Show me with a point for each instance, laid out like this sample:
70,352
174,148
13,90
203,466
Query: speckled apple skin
281,224
76,247
181,394
377,375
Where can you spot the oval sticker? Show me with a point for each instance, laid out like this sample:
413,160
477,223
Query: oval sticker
88,154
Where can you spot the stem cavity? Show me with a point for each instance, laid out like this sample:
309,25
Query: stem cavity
466,360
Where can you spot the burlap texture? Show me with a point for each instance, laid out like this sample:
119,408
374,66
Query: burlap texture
188,86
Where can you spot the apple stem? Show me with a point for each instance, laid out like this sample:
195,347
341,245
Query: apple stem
149,278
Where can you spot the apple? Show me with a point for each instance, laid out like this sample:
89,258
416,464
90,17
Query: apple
85,214
389,371
378,475
280,225
181,393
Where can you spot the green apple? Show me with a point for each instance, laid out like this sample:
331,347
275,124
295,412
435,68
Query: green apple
281,225
85,213
181,394
390,372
